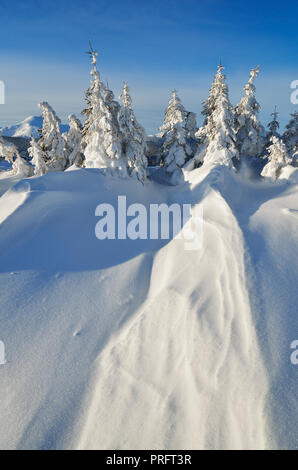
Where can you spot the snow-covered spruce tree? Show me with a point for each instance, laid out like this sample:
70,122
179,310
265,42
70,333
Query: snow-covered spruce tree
51,140
73,141
21,168
191,129
209,105
290,136
8,150
173,133
102,139
134,139
273,125
38,158
249,130
88,111
217,138
277,159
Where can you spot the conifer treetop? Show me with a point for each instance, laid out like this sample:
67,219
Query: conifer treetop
250,132
253,74
125,96
218,87
93,55
273,125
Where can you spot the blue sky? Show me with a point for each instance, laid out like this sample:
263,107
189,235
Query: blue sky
154,45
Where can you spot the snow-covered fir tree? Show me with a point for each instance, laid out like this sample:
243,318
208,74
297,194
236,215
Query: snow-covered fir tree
290,136
173,133
250,132
102,139
191,130
51,140
8,150
209,105
73,141
273,125
217,138
88,111
21,168
11,154
38,158
134,138
277,159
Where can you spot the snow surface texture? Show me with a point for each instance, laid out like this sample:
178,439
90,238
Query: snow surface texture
28,128
141,344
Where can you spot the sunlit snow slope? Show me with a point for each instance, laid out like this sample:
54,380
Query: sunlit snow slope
141,344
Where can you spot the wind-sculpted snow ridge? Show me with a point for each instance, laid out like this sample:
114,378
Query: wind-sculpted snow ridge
123,344
13,199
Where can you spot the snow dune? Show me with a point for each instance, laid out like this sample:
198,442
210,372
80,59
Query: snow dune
141,344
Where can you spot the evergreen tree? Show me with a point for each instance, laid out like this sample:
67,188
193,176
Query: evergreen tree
21,168
273,126
8,150
94,85
102,140
173,133
38,158
73,141
191,130
290,136
277,159
217,136
250,132
209,105
51,141
134,139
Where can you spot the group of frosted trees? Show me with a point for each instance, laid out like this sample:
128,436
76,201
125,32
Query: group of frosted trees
228,134
112,140
55,151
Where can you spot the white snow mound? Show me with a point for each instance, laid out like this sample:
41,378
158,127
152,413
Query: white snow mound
122,344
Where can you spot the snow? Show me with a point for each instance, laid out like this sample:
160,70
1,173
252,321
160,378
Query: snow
122,344
28,128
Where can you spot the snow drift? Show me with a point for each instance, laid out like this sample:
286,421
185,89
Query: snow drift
122,344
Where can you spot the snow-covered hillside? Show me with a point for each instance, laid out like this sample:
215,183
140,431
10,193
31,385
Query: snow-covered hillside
122,344
27,128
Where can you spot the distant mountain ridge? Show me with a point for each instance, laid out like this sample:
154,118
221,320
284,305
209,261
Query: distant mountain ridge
27,128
